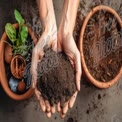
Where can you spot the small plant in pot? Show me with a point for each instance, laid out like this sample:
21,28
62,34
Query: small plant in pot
16,50
17,37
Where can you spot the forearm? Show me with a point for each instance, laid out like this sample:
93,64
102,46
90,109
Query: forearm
68,16
47,16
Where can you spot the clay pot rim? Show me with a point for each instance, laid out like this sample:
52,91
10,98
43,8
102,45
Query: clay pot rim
4,81
97,83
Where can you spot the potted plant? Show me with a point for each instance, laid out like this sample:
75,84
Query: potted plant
15,47
100,46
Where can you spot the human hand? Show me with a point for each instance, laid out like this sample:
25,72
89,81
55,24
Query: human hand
38,52
47,15
48,37
67,44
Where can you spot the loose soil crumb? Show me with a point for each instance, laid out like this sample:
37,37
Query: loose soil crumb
70,119
102,46
87,111
99,96
56,77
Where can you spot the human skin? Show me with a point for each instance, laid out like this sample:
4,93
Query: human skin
58,41
67,44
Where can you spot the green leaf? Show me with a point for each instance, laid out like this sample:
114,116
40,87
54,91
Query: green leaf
18,17
24,34
11,32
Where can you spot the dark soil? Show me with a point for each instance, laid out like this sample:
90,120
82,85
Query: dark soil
56,77
70,119
102,47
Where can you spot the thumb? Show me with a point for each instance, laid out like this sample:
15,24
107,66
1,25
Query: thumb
34,68
34,76
34,82
78,70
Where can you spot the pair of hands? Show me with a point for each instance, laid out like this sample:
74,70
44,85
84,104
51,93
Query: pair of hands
59,41
66,44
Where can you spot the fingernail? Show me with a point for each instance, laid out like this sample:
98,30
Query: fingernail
49,114
48,109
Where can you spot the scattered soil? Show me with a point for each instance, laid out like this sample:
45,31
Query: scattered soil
102,47
56,77
92,107
70,119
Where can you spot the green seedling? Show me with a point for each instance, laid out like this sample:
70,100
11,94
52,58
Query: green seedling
18,38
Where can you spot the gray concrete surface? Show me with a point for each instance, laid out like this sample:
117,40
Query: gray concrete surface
92,104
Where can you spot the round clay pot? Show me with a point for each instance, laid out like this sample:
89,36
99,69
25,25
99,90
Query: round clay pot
3,77
86,72
17,66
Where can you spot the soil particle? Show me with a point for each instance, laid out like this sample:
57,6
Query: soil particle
55,118
99,96
70,119
56,77
87,111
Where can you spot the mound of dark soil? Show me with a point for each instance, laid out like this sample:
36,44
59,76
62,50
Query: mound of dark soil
56,77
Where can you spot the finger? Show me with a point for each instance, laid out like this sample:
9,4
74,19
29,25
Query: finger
53,109
72,100
38,94
58,107
78,70
72,63
41,100
48,107
65,108
54,44
59,46
34,68
42,104
62,115
41,54
49,114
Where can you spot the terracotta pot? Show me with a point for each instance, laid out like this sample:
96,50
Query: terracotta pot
17,66
8,53
4,81
97,83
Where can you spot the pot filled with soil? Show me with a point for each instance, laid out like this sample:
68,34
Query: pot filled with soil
101,46
56,77
16,47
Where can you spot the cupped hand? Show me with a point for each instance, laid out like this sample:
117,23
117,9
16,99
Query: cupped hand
50,39
67,44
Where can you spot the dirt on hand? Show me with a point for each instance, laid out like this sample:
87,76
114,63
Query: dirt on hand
56,77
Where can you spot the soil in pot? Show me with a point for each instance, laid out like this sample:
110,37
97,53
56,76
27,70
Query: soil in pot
56,77
102,46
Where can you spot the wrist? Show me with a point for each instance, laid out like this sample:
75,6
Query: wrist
50,28
48,33
63,32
